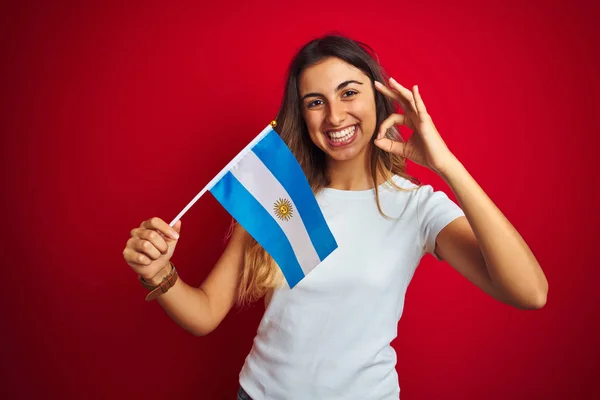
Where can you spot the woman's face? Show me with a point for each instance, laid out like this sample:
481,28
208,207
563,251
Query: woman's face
338,105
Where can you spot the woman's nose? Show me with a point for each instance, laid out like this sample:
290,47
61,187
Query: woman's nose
336,114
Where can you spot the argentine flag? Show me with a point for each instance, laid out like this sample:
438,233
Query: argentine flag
265,190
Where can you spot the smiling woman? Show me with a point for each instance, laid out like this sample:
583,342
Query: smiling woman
340,118
330,337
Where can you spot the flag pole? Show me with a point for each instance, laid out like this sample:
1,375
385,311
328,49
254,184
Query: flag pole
221,173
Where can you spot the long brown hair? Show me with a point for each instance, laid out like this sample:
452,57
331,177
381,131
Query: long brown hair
260,273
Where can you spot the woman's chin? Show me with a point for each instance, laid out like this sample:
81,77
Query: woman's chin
346,153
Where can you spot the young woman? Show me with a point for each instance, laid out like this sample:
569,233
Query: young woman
329,337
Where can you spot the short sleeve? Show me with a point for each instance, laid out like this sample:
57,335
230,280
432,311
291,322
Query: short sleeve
435,210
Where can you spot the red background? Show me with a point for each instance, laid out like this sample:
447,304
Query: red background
115,112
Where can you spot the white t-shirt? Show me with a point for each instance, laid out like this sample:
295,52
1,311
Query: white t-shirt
329,337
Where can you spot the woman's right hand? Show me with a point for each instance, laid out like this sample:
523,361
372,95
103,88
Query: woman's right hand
151,246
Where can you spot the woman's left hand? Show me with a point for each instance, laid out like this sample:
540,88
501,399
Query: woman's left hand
425,146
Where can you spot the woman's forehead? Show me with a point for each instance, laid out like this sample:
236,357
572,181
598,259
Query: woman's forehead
327,75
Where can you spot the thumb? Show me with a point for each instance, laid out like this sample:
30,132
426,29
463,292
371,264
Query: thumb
391,146
177,226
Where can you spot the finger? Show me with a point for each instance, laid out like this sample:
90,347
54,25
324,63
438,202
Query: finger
140,232
156,238
392,94
133,257
419,101
406,94
177,226
161,226
145,247
391,146
389,122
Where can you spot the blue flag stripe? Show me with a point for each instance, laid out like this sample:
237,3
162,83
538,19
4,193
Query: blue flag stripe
278,158
257,221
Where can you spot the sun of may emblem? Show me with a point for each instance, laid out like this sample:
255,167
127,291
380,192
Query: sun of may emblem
283,209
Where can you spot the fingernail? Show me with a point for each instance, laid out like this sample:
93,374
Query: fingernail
392,80
175,235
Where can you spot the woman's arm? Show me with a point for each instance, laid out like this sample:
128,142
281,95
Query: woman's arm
486,249
200,310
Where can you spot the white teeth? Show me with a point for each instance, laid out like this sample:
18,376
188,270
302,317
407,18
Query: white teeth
342,135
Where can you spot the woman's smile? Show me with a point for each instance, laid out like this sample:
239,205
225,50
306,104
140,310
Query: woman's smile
342,137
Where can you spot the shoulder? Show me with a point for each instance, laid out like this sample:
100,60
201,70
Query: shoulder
406,188
421,192
425,198
402,183
399,197
399,187
435,208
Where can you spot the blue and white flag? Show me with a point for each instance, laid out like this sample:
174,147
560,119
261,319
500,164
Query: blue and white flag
265,190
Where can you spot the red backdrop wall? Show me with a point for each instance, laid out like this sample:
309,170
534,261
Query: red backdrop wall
114,112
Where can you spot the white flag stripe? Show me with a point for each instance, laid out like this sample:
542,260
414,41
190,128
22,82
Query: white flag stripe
261,184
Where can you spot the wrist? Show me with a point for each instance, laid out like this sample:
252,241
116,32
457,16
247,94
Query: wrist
160,283
450,167
159,277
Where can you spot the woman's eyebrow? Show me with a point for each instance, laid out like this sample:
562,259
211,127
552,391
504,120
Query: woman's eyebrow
339,87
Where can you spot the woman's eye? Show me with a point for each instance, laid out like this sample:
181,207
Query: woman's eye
347,93
314,103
